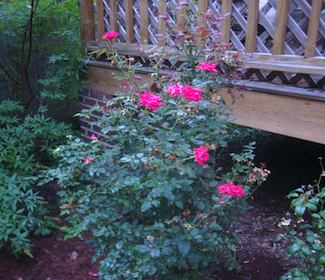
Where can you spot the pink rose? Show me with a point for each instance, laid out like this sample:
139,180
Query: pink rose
229,189
207,66
175,90
93,137
192,94
88,160
110,35
150,101
201,155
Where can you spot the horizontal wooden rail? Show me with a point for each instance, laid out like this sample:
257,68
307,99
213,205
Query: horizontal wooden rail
284,63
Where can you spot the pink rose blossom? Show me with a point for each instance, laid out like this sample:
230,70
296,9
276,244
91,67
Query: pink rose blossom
110,35
175,90
207,66
93,137
88,160
192,94
201,155
150,101
229,189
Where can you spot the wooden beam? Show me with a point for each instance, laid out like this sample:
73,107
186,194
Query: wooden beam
280,30
162,11
295,117
129,21
287,115
226,10
144,21
263,61
313,27
113,15
251,27
100,18
87,21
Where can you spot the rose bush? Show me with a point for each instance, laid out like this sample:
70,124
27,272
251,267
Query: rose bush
146,188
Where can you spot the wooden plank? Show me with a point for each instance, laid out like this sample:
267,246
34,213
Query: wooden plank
162,11
113,15
263,61
280,26
313,27
295,117
181,15
144,21
226,9
100,18
251,27
129,21
101,78
202,9
87,21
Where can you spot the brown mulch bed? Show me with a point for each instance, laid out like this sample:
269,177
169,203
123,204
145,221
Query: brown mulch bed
258,256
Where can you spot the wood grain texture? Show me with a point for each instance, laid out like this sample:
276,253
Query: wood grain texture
295,117
202,9
129,20
280,30
144,21
87,21
251,26
313,27
263,61
162,14
113,15
100,18
181,15
301,118
226,9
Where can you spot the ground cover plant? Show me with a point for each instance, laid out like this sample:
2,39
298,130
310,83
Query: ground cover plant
25,143
150,193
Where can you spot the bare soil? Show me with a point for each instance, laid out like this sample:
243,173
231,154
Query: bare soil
258,254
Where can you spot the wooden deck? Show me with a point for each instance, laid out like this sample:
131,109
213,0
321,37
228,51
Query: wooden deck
284,41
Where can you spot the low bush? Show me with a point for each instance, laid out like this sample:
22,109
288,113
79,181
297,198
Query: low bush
25,143
149,191
307,235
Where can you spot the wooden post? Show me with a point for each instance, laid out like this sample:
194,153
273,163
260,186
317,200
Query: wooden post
162,11
251,27
113,15
181,14
280,31
100,18
87,22
226,8
202,9
144,21
129,21
313,27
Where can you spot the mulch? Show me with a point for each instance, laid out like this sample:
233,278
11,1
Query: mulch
258,254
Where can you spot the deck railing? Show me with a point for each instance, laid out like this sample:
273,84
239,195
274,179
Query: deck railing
284,39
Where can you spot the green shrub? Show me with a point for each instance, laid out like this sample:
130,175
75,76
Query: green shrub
25,142
41,61
308,233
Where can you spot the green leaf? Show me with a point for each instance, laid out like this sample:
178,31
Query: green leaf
184,247
155,253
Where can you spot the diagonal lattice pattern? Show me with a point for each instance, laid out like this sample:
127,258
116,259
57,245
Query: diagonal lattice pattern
296,36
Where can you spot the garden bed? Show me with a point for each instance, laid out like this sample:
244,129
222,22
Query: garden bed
58,259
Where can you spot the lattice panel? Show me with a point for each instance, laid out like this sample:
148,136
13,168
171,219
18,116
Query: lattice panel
299,13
